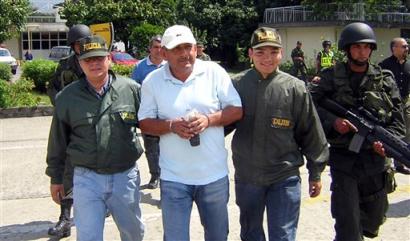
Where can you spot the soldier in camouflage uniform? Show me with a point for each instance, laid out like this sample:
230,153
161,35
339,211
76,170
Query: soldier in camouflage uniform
359,180
68,68
67,71
298,58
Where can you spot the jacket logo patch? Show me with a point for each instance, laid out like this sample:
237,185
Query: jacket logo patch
128,116
280,123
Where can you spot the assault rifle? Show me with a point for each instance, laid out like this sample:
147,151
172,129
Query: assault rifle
370,129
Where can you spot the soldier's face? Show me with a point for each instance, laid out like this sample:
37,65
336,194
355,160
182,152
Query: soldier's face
266,59
360,51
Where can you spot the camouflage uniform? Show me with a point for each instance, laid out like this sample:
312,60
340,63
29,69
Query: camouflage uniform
68,70
359,199
298,65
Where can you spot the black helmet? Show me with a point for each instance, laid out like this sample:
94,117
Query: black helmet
77,32
326,43
357,33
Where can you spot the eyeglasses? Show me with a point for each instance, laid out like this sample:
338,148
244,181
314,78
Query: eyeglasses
403,46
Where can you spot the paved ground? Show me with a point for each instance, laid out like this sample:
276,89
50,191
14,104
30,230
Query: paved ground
27,211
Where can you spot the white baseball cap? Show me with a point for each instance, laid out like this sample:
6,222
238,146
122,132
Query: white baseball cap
176,35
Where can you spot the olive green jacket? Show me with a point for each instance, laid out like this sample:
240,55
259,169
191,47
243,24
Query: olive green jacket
280,124
96,133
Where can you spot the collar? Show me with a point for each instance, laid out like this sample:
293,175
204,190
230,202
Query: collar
396,60
270,76
149,62
105,87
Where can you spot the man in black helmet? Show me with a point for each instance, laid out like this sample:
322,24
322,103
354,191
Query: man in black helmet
325,58
359,187
68,70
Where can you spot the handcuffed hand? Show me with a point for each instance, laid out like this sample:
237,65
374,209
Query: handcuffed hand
199,123
181,128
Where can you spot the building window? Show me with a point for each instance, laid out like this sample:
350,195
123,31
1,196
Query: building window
43,40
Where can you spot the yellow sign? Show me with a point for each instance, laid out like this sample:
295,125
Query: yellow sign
105,30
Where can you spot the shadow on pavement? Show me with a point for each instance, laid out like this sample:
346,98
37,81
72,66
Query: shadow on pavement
28,231
147,198
399,210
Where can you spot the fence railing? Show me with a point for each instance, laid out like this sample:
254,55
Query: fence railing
356,12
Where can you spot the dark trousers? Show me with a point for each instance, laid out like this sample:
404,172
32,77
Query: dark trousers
299,68
358,205
151,146
406,112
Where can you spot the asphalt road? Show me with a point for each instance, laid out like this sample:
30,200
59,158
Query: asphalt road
27,211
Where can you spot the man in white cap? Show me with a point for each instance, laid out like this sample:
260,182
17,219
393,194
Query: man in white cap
193,157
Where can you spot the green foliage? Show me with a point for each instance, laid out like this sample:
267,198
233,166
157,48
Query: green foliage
124,15
40,71
17,94
141,36
123,70
286,66
223,24
5,72
13,17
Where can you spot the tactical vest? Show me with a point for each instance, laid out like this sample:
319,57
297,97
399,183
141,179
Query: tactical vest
372,91
326,59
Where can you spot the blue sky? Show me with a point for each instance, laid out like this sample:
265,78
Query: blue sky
45,5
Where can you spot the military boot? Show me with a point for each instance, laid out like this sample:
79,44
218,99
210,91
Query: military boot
63,226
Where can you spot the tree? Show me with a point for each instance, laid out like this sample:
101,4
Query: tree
124,14
13,18
222,25
141,35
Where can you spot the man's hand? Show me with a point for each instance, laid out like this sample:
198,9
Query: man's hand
314,188
181,128
378,148
199,123
57,192
344,126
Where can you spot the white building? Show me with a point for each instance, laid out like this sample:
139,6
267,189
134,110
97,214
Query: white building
298,23
40,35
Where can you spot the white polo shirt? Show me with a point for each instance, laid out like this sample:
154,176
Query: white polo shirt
208,89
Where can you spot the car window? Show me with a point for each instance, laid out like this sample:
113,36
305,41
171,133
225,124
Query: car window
4,52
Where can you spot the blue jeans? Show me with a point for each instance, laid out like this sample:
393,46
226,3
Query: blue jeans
282,201
95,193
211,200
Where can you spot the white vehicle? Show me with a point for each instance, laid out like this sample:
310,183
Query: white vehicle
5,57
